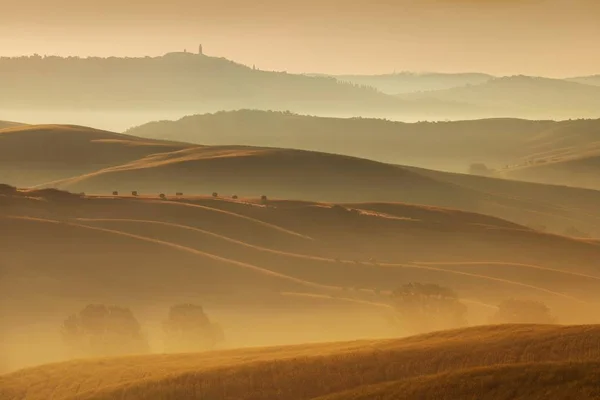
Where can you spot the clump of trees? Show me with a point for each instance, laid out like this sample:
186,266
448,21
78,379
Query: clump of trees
101,330
188,328
428,307
517,311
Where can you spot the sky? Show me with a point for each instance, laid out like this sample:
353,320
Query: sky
554,38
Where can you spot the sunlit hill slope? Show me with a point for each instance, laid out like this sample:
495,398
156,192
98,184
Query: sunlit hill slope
497,362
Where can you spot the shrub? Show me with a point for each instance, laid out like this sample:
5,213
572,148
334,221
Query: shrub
115,193
215,194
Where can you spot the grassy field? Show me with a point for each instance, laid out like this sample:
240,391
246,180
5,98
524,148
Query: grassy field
88,160
535,381
506,361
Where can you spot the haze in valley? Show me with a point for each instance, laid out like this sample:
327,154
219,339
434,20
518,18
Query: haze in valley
299,200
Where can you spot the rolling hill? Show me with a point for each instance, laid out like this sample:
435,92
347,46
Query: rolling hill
581,171
409,82
588,80
33,154
277,273
495,142
541,360
8,124
524,96
518,382
185,81
86,160
295,174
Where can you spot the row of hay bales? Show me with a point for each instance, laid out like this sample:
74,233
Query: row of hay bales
135,193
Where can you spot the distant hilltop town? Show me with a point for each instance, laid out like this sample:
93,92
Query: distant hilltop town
200,51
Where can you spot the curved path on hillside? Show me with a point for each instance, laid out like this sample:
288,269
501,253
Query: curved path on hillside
322,259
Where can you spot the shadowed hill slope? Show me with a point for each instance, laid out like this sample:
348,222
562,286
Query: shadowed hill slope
252,171
309,371
33,154
284,246
307,270
8,124
87,160
296,174
581,171
442,145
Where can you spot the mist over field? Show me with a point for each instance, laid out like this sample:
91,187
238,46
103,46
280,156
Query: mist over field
299,201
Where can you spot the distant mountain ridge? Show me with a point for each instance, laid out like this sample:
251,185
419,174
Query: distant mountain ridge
186,81
523,96
408,82
588,80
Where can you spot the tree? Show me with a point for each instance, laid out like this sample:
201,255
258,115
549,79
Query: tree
479,169
100,330
515,311
428,307
188,328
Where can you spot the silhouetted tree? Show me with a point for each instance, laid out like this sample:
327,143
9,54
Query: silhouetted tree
7,189
574,232
188,328
263,199
162,196
515,311
100,330
479,169
428,307
235,197
215,194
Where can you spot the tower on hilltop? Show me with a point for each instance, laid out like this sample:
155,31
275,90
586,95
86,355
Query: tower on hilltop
200,51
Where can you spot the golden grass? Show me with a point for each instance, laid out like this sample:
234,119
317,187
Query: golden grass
313,244
309,371
539,381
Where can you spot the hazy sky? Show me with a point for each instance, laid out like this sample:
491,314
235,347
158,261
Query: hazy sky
534,37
